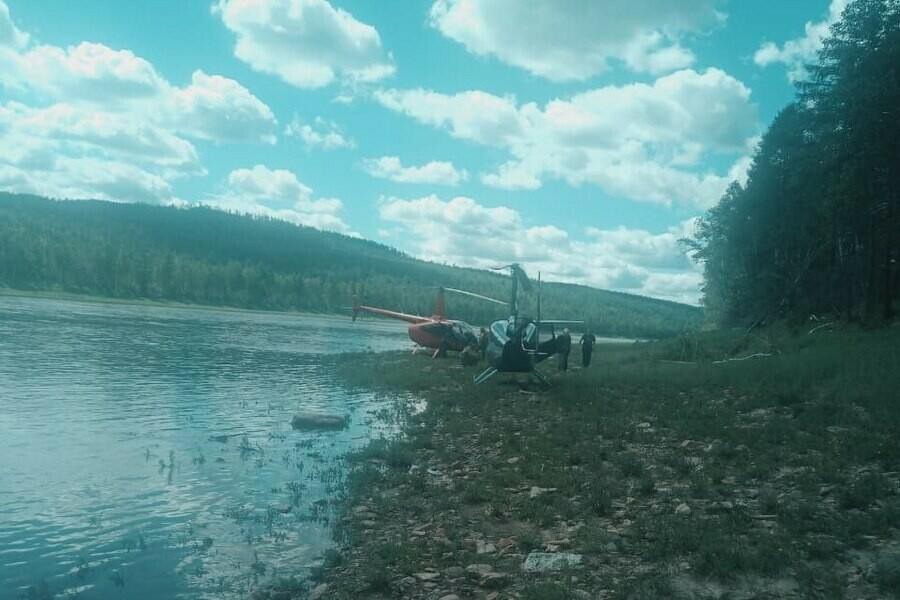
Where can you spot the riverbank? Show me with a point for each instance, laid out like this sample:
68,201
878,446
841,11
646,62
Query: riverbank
68,296
656,473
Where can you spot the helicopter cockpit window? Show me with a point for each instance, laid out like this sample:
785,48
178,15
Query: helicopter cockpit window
528,338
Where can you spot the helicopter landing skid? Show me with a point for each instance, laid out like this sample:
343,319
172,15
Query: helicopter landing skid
491,371
485,375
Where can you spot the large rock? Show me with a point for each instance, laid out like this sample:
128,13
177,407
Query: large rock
542,562
312,420
319,591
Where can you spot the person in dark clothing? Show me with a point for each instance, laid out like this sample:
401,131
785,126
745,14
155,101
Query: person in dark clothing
563,347
483,342
470,355
587,347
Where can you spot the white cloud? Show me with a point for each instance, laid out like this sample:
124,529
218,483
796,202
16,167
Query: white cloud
84,178
219,109
321,134
576,39
642,247
97,122
212,107
99,78
307,43
641,141
433,172
463,232
277,193
797,53
512,176
66,152
65,129
87,72
10,35
472,115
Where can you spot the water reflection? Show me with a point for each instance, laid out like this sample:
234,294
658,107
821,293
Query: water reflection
148,451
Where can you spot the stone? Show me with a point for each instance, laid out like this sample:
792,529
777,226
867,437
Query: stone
537,491
482,547
683,509
313,420
542,562
479,569
454,572
450,597
494,581
318,592
427,576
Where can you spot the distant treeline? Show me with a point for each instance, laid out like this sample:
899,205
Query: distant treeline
816,229
204,256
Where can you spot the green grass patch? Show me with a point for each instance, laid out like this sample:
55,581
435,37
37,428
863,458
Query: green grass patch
664,459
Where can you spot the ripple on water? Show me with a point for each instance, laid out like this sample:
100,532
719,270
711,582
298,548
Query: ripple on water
114,471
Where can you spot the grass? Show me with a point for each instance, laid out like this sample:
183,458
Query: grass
887,571
669,472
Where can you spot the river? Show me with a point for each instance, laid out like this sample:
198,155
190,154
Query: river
147,451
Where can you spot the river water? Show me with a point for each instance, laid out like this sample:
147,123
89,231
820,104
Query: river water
146,452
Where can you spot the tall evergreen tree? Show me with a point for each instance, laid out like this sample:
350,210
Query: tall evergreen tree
817,226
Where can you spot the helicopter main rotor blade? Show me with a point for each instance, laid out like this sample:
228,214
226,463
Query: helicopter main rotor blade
474,295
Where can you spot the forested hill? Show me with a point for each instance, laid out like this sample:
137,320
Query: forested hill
204,256
816,228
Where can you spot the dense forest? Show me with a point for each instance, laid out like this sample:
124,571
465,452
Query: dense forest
816,228
204,256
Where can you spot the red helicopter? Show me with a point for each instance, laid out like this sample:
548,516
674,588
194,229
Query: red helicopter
436,331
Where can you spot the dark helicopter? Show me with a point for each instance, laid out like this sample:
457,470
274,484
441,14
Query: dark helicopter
514,344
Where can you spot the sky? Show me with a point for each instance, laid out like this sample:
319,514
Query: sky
581,138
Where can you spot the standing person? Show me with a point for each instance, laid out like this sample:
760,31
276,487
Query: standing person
483,342
564,346
587,342
469,355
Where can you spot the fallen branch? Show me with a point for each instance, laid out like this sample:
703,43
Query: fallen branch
818,327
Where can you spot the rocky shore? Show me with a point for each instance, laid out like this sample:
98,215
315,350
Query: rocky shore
632,479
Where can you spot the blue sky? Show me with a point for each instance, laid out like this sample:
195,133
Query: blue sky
579,137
